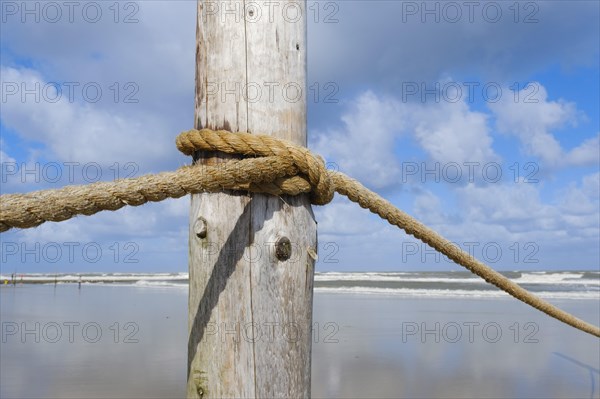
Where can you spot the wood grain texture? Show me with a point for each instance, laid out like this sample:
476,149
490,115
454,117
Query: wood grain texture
250,314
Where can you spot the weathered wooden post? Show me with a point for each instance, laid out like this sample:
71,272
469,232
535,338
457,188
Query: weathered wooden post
250,263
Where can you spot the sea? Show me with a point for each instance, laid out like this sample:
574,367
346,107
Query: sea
458,284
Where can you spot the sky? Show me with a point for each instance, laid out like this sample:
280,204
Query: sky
481,119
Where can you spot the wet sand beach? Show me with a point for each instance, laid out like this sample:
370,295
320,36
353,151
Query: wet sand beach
126,341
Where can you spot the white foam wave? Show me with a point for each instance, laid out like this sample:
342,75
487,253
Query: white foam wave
554,278
526,278
397,277
433,293
159,284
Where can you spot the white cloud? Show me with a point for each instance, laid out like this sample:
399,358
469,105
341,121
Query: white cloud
343,218
517,212
155,50
154,54
581,202
531,120
591,185
149,237
79,132
179,207
517,206
75,230
587,153
451,132
4,157
365,146
428,208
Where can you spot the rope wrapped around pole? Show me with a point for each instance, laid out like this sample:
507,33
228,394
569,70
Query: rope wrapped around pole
272,166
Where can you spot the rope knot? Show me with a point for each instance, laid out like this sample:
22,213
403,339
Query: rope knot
307,174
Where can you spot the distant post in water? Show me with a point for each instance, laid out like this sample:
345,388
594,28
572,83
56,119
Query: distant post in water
250,263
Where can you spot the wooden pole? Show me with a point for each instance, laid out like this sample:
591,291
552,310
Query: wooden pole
251,257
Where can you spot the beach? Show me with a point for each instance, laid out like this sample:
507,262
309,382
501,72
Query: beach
130,340
482,348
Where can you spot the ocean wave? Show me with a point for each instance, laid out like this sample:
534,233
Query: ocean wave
550,284
396,277
447,293
571,278
557,278
159,284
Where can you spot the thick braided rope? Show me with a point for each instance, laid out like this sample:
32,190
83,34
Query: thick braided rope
258,175
262,146
280,169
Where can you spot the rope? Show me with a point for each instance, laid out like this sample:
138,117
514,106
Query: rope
262,146
277,167
32,209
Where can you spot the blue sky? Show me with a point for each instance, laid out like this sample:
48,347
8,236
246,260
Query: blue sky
483,122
